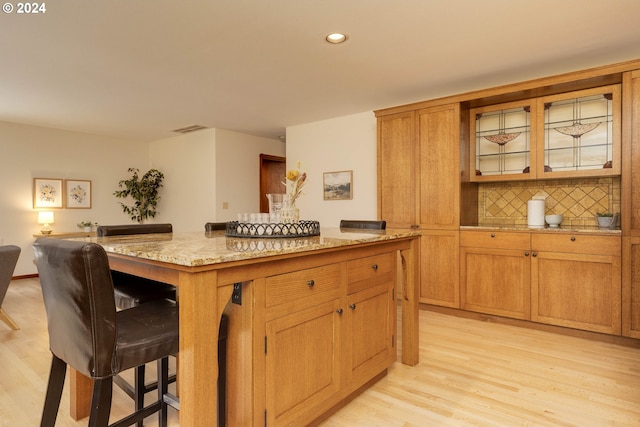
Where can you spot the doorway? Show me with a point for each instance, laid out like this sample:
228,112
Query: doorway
273,171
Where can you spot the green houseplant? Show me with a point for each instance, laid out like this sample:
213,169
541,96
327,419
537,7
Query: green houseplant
144,192
87,226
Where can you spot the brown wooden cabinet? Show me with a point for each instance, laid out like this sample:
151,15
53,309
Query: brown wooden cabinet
631,287
329,329
576,281
418,187
495,273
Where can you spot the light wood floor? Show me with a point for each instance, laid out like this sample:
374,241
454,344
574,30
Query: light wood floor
471,373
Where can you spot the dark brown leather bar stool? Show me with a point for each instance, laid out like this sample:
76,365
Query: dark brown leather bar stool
131,291
87,333
8,259
213,226
363,224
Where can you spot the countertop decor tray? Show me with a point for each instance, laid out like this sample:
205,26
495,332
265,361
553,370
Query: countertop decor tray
273,230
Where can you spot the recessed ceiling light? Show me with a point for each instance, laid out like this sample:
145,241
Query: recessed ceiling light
336,38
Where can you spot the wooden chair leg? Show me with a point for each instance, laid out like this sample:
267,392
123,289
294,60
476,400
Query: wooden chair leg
101,403
54,392
8,320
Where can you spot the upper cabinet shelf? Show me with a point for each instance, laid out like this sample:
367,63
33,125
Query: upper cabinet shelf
574,134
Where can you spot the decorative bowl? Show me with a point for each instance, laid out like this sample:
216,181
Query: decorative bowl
553,220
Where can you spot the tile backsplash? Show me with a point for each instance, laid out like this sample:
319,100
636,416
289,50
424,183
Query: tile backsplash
505,204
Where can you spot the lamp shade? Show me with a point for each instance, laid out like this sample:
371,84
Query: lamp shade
45,217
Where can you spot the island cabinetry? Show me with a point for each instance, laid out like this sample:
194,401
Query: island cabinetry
419,187
495,273
328,330
576,281
370,318
631,287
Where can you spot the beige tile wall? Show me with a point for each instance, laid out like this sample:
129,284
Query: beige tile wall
505,204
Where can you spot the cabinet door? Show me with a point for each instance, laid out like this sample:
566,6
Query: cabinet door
631,154
631,287
579,133
496,281
303,354
439,268
371,320
577,290
503,138
438,139
397,170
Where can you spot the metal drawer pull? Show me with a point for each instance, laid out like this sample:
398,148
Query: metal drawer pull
526,254
573,239
534,254
374,266
310,283
352,306
339,311
493,235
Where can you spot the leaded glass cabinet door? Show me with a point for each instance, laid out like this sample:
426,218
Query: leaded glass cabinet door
581,133
503,139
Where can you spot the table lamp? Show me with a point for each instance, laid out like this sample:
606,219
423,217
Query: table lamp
45,218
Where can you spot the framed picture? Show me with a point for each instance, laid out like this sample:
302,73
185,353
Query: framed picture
338,185
47,193
78,194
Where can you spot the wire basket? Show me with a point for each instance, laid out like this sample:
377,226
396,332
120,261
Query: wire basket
273,230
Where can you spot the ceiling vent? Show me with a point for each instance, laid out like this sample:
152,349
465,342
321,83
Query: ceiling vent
188,129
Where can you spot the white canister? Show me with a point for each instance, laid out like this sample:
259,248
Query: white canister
535,213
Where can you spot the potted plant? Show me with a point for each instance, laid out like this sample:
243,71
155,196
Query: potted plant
87,226
607,220
144,191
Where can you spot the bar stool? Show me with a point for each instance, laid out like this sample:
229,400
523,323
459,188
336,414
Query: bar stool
131,291
8,259
363,224
87,333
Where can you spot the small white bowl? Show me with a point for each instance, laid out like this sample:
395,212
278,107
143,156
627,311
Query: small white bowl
553,220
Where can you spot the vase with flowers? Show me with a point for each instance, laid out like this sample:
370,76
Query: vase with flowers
294,183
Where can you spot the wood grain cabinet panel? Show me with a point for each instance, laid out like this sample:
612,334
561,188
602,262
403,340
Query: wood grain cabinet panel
577,288
631,287
328,331
440,268
495,273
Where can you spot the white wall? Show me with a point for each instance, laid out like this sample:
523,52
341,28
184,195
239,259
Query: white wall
206,169
28,152
343,143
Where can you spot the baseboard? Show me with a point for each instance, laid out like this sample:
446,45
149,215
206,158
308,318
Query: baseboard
595,336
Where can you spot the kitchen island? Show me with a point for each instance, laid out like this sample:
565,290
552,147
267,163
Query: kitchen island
315,324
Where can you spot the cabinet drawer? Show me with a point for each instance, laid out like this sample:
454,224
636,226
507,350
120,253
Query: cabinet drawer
495,239
317,284
577,243
366,272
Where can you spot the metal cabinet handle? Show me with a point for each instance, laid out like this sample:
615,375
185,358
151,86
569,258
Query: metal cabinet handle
535,254
573,238
493,234
310,283
339,311
375,267
352,306
526,254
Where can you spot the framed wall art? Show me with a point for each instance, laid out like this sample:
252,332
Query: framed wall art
338,185
47,193
78,194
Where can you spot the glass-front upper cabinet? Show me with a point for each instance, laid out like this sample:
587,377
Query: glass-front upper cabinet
581,133
504,137
574,134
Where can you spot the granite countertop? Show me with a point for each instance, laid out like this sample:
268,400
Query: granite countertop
561,229
194,249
